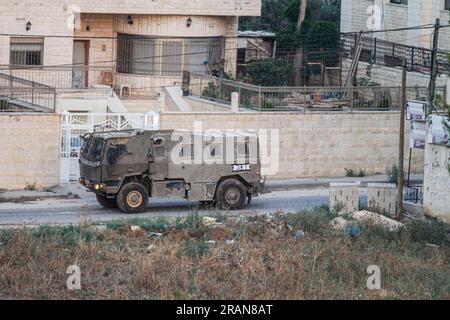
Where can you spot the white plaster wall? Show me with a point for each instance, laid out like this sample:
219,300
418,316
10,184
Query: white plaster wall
436,196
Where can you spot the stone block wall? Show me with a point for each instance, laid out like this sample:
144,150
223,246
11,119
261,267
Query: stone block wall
382,198
344,197
321,144
29,150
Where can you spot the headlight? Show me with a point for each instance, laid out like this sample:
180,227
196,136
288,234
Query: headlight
99,186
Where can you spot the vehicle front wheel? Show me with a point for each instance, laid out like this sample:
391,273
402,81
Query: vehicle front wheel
132,198
106,202
231,195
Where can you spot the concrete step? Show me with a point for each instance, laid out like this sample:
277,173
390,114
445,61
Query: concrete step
140,106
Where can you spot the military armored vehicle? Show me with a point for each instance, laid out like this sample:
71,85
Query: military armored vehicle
126,168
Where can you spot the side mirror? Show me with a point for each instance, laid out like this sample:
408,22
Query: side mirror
157,141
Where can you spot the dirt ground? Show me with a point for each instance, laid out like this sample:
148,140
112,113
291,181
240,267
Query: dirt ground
277,256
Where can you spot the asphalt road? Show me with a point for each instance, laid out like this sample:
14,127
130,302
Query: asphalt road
66,211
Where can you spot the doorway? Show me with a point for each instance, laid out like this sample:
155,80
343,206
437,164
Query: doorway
80,64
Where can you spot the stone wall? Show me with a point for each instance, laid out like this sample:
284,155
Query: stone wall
310,145
387,76
436,191
315,144
193,7
29,150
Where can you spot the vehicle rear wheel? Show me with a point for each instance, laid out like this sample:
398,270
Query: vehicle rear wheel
231,195
132,198
106,202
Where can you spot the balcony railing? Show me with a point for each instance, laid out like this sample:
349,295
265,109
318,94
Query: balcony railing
391,54
304,99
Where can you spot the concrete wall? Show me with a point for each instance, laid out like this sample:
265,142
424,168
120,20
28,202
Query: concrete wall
436,191
29,150
315,144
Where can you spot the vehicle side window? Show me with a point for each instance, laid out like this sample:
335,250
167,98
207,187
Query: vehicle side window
186,151
121,150
216,150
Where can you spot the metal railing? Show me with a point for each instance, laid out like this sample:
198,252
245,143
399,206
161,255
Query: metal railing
64,77
391,54
18,94
304,99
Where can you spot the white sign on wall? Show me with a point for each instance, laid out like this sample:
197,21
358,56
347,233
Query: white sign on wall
417,135
439,132
416,110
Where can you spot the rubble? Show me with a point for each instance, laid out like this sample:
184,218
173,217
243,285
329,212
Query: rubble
339,223
376,219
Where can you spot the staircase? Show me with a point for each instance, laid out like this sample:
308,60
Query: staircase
17,94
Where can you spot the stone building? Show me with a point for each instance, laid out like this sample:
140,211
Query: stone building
383,52
357,15
143,44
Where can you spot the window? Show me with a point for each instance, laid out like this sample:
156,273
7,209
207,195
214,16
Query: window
167,56
172,58
26,51
447,4
404,2
135,55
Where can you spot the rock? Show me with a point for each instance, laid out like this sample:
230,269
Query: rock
376,219
211,242
150,248
298,235
207,221
339,223
230,242
155,234
98,229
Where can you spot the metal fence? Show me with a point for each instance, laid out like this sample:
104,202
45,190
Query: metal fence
259,98
17,94
64,77
391,54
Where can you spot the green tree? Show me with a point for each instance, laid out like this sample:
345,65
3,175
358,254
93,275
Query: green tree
269,72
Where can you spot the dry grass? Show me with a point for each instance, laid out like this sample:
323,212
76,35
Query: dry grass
264,262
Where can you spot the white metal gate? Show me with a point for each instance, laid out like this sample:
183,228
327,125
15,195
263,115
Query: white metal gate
76,124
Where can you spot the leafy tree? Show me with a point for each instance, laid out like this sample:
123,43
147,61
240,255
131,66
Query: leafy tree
269,72
271,17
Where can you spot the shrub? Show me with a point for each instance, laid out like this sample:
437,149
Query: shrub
194,248
355,173
430,230
269,72
392,174
69,235
315,221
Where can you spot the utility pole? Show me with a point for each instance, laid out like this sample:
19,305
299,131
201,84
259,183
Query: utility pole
434,68
298,59
401,142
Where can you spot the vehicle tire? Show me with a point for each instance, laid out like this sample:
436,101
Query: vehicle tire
106,202
132,198
231,195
